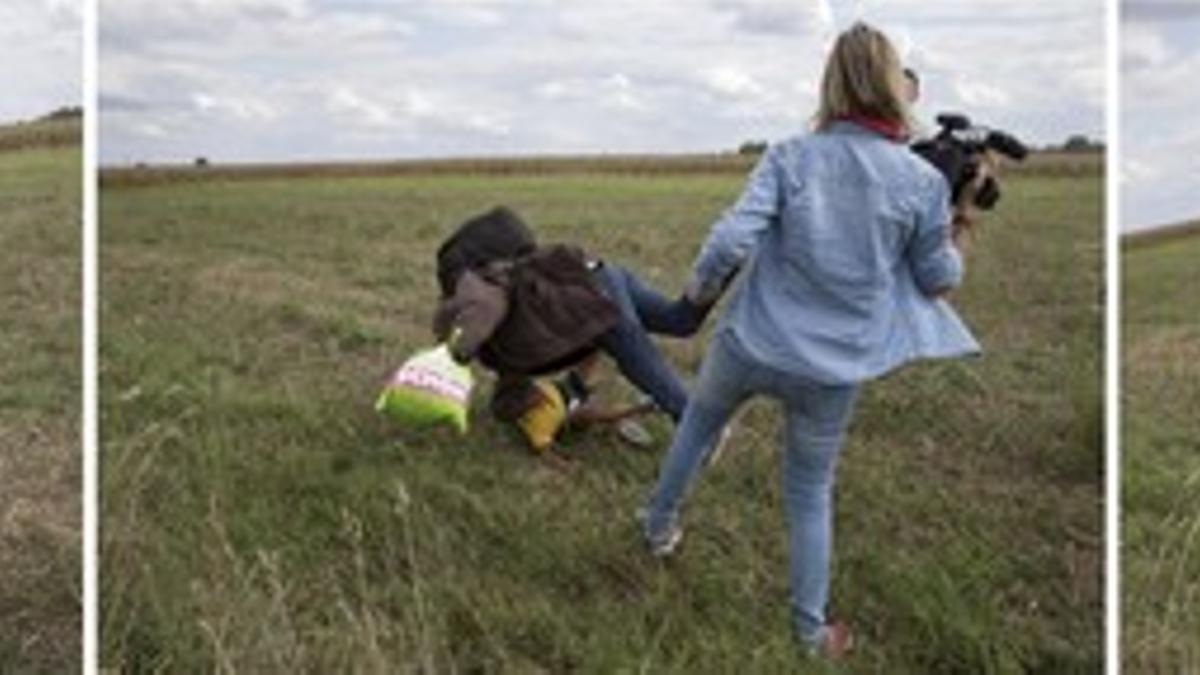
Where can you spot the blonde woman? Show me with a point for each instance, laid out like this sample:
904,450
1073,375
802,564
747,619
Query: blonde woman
845,236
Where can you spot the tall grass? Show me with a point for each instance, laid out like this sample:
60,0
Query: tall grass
258,515
1161,455
39,411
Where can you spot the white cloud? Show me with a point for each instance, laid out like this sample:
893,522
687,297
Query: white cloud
1159,99
1170,85
471,13
1137,171
1142,46
400,110
615,92
978,94
410,114
733,82
487,124
357,77
779,17
1159,10
151,130
241,109
202,11
618,92
554,90
40,56
66,10
344,100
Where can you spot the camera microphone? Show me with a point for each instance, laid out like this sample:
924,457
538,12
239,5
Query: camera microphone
953,122
958,151
1006,144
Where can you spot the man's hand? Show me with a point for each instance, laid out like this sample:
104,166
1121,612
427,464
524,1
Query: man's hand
700,295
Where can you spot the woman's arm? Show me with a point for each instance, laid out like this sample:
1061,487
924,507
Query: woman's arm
737,233
933,254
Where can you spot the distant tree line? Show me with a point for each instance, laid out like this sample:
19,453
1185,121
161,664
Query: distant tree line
1073,143
752,148
1081,143
64,113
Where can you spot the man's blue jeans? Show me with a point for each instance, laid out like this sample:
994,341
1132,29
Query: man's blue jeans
645,311
816,416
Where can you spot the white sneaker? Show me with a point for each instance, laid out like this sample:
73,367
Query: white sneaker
634,433
663,546
666,546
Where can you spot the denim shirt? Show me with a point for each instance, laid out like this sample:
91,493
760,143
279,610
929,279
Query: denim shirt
844,235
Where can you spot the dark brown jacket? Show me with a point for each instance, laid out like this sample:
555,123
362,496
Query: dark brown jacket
533,315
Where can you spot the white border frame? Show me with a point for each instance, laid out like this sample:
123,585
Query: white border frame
1112,343
90,381
91,438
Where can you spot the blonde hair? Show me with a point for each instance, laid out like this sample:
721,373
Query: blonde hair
863,76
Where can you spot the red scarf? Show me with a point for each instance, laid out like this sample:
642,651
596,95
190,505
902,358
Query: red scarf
889,129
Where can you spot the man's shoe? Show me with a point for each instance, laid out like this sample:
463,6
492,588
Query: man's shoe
660,547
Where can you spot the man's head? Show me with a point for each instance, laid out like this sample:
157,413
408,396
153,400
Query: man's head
497,234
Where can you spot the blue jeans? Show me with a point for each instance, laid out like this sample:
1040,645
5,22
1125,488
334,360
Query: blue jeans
816,419
644,311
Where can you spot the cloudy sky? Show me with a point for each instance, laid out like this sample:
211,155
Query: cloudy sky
246,80
1160,97
40,52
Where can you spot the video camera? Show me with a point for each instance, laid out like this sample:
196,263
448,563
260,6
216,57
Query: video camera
960,151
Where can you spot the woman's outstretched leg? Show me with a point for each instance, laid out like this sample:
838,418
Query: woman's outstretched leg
722,386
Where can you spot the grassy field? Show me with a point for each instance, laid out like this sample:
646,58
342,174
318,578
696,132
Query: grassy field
39,410
1161,453
259,516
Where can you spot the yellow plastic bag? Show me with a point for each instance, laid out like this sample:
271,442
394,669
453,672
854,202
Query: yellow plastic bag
430,388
